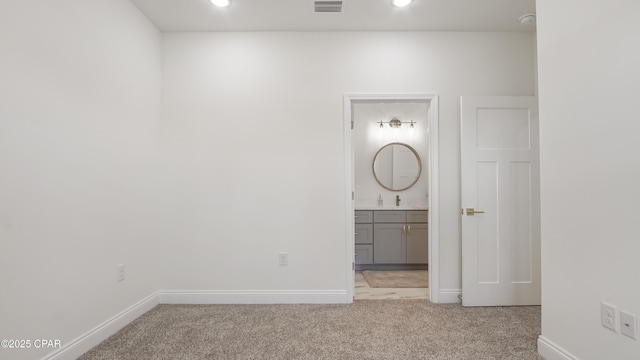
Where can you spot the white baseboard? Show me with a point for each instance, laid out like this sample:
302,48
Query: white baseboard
550,351
449,296
95,336
254,297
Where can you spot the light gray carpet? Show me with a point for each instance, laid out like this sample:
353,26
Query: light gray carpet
396,278
367,329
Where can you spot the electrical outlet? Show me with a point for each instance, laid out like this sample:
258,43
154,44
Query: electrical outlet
628,324
283,258
121,273
608,316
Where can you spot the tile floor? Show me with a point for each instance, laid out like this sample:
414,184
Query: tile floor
363,291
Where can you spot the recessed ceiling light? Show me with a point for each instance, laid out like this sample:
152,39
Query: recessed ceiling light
221,3
401,3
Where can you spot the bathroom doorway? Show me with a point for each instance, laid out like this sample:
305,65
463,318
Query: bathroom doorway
398,203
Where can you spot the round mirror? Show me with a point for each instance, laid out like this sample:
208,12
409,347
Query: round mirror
397,166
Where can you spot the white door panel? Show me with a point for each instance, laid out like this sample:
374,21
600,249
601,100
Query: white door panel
500,179
487,225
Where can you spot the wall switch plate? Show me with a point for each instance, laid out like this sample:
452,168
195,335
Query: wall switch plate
608,316
628,324
283,258
121,273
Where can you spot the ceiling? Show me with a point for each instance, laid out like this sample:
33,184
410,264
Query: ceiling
364,15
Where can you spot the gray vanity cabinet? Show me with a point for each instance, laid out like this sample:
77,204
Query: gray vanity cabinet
391,237
389,244
364,237
364,216
364,254
417,244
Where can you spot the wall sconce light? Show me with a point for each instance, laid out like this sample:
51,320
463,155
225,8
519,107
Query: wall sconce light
395,123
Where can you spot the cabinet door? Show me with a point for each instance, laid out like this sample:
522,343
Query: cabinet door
417,216
363,216
389,244
364,254
417,244
364,233
390,216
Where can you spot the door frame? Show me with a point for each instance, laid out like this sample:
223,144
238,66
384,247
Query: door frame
434,184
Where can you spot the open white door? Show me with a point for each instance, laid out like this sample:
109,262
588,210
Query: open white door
500,200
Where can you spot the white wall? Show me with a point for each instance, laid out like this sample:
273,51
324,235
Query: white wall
589,81
254,132
79,106
248,160
368,138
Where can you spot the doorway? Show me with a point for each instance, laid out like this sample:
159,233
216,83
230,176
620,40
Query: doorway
368,122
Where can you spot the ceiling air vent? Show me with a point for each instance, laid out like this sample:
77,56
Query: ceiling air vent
328,6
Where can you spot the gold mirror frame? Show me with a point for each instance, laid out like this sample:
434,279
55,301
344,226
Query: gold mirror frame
373,165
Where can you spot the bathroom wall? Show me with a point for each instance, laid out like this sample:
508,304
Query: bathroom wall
254,143
368,138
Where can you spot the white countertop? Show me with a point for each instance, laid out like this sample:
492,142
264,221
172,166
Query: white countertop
401,207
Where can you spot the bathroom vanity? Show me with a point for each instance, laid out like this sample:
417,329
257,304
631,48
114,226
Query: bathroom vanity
391,238
392,235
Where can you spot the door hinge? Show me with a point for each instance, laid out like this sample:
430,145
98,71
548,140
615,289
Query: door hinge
353,195
353,266
352,124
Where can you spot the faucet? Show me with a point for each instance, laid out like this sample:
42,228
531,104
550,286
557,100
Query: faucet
397,200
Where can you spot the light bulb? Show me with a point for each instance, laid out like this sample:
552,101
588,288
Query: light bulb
221,3
401,3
